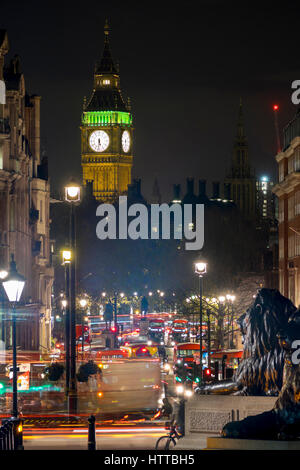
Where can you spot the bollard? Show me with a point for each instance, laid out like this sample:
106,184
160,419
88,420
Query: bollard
92,433
18,434
13,433
2,437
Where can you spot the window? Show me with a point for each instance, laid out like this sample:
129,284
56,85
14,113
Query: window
1,157
281,211
291,245
297,244
297,202
291,207
281,248
281,172
41,211
291,164
297,158
106,82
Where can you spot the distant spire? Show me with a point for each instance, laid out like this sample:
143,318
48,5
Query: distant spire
106,64
106,31
240,125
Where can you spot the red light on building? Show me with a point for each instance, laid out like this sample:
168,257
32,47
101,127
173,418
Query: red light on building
275,107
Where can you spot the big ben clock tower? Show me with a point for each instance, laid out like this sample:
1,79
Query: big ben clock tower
106,132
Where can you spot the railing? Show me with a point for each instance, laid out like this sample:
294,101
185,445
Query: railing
11,434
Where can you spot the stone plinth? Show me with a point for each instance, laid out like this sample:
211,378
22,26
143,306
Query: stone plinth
221,443
209,413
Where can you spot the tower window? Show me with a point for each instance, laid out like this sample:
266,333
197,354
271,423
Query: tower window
106,82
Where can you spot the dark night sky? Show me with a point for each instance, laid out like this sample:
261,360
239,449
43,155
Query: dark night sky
184,66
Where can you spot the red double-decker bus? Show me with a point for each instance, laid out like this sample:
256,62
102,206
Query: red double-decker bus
85,332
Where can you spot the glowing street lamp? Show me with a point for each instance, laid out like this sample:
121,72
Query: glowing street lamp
83,303
66,256
13,285
72,192
3,274
200,268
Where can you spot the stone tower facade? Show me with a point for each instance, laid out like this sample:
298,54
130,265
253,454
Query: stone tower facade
241,181
106,132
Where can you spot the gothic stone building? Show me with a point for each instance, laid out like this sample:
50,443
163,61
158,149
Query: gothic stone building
24,208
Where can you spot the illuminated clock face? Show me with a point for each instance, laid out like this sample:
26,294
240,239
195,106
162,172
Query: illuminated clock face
125,141
99,141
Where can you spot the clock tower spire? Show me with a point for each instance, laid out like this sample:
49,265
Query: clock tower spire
106,132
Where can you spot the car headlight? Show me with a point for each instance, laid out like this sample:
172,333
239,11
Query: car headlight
179,389
188,393
167,366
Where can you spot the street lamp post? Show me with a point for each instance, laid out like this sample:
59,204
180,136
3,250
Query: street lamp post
208,338
200,269
72,196
13,286
83,304
67,257
232,325
115,320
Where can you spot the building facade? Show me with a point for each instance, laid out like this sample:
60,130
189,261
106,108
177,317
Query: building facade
24,208
240,181
288,192
265,199
106,132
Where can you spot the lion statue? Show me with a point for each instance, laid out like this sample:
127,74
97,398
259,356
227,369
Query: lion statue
261,369
270,366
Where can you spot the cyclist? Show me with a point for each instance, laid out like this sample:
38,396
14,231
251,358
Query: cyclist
167,409
178,416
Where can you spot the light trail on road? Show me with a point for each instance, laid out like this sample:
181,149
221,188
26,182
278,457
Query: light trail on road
115,438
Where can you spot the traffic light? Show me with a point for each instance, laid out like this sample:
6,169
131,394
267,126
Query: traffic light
207,374
190,372
179,371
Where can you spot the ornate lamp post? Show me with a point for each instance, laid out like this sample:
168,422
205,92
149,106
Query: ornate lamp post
83,304
200,269
67,258
13,285
72,196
